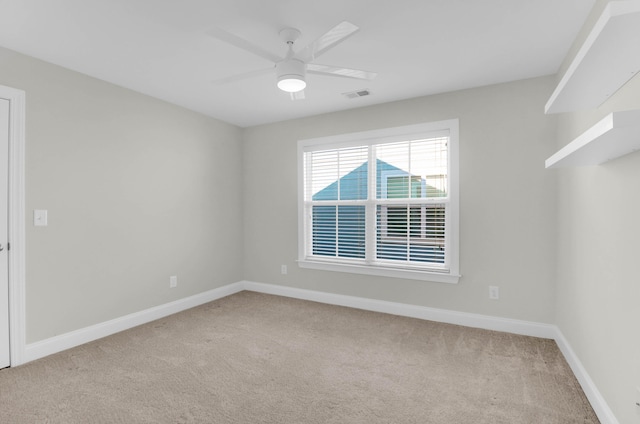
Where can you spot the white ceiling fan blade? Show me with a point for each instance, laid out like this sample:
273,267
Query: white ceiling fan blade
335,71
243,44
243,76
330,39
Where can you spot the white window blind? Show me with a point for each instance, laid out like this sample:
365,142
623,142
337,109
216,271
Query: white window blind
380,203
412,197
336,186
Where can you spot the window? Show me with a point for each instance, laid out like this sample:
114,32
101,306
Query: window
381,202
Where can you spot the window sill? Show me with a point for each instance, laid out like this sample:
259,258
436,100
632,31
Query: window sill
381,271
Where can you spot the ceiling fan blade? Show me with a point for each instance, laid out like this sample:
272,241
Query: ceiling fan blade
298,95
330,39
240,77
334,71
243,44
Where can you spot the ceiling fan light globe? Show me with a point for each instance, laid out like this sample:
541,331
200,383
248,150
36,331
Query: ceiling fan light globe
290,73
291,83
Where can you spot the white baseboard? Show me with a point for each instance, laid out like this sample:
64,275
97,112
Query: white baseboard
600,406
527,328
65,341
75,338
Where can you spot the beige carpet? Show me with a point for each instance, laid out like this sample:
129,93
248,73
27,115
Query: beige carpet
255,358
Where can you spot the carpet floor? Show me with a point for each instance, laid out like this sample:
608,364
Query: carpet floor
256,358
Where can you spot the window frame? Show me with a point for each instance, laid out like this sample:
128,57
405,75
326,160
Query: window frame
383,268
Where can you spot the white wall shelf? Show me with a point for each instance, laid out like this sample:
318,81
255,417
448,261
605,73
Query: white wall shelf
608,59
614,136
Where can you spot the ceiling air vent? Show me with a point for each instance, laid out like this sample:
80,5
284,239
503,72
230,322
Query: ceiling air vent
356,94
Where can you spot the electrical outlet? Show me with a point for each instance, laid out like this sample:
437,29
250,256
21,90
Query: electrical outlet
283,269
173,281
494,292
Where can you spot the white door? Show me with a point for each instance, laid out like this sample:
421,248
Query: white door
4,259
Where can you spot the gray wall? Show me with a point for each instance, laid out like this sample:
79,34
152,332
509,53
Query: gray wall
136,189
507,201
598,256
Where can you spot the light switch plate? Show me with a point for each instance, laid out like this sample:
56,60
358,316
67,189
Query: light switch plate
40,217
494,292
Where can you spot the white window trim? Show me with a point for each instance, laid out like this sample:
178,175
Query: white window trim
451,275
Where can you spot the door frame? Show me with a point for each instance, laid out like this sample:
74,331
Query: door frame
16,224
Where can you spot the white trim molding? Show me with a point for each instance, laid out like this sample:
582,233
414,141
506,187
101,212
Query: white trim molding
370,263
62,342
600,406
526,328
380,271
75,338
16,224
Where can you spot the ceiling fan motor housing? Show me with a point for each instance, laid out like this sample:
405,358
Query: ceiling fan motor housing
291,75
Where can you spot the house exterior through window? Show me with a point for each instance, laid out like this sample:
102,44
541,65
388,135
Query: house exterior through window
382,202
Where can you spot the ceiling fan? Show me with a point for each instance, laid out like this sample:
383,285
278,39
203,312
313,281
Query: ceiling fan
291,69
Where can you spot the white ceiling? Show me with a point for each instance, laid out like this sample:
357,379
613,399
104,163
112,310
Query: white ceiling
417,47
